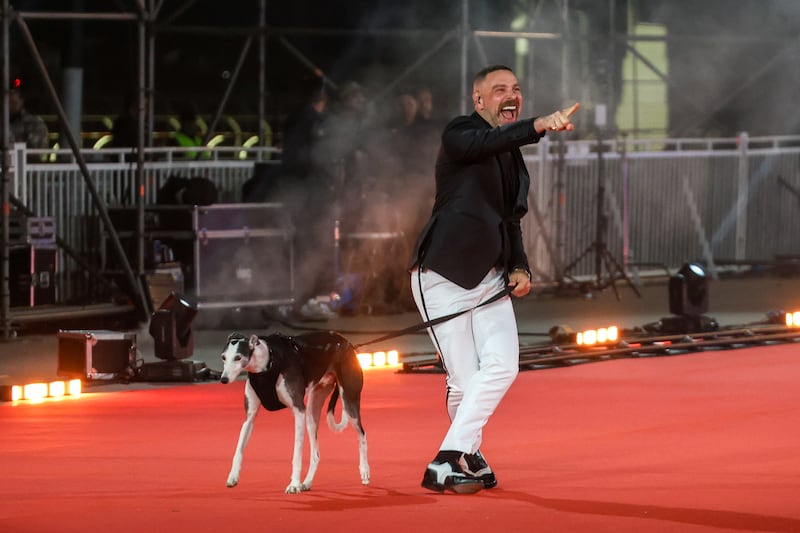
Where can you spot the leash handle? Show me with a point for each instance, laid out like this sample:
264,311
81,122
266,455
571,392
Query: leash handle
436,321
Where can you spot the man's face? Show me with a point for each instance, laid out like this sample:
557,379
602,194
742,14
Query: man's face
15,102
425,101
409,105
498,98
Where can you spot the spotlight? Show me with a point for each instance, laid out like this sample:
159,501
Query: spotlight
171,328
688,300
688,291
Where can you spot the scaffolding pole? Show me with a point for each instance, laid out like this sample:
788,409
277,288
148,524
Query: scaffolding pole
135,287
5,140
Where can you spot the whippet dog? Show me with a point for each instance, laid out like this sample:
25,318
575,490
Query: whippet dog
283,372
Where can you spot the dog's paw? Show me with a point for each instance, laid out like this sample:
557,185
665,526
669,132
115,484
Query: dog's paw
232,481
305,487
294,489
365,476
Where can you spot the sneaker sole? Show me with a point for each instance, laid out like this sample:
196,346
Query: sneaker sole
466,488
470,487
490,484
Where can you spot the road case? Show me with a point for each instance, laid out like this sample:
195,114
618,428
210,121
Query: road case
96,354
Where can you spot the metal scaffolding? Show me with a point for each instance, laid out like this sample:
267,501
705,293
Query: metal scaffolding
147,15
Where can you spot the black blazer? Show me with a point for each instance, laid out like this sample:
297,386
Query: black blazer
471,230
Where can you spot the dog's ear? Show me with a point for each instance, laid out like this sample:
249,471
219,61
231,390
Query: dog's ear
254,340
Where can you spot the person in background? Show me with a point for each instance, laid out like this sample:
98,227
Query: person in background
25,127
125,130
305,186
189,135
470,250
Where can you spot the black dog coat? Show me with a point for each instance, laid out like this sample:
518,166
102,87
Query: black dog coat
300,359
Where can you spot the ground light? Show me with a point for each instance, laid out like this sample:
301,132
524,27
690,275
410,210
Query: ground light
595,337
39,391
792,319
385,359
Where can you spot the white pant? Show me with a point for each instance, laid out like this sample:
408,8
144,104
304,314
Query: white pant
479,350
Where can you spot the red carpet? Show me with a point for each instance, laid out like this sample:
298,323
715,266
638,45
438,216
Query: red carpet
698,442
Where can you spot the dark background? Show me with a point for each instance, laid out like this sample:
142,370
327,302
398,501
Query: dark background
733,63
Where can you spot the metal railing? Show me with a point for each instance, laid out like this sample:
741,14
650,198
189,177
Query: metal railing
57,189
666,202
721,202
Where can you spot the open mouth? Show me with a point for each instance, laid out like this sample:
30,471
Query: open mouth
509,110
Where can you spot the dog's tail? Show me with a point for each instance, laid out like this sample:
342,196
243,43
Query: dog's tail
331,408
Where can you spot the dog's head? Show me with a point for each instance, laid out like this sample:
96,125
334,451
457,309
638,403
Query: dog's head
237,355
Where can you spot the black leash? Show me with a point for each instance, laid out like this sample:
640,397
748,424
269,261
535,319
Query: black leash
436,321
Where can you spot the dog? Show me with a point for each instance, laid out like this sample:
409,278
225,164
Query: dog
297,372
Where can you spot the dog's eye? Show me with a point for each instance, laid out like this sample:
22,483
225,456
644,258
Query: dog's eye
223,357
237,358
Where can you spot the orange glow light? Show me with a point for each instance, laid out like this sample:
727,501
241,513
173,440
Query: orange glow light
597,336
56,389
365,359
380,359
34,391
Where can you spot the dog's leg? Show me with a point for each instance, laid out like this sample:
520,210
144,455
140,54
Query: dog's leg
294,486
351,383
316,398
353,409
251,404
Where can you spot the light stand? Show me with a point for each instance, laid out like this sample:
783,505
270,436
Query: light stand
603,259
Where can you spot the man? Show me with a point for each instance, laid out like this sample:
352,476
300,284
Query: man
25,127
189,135
471,249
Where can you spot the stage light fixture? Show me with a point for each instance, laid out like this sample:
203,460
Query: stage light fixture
793,319
380,359
688,301
36,392
688,291
562,334
602,336
171,328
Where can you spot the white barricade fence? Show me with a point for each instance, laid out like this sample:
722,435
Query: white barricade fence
666,202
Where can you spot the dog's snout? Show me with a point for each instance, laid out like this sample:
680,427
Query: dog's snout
224,379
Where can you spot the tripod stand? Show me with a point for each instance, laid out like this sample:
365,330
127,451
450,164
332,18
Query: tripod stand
603,259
